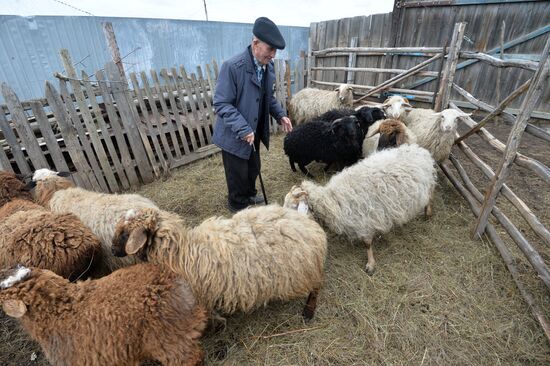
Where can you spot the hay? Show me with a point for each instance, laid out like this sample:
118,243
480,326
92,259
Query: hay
436,297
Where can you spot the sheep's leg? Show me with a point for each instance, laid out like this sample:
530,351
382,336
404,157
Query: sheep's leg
428,210
370,257
292,166
304,170
311,304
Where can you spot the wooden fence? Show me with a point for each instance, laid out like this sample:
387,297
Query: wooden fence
114,133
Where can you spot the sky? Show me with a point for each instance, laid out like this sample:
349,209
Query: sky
282,12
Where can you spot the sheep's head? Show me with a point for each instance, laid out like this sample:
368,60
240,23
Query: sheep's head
297,199
12,186
367,116
392,134
11,305
348,131
134,233
47,182
448,117
395,106
345,94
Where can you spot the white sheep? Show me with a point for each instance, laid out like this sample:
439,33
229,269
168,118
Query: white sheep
136,314
259,255
395,106
386,189
386,133
309,103
434,131
99,211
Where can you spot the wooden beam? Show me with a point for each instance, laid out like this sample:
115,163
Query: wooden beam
522,64
373,69
497,110
522,208
113,47
367,87
400,77
444,92
371,50
503,250
531,98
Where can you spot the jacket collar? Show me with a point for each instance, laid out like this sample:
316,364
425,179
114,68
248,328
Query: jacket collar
251,68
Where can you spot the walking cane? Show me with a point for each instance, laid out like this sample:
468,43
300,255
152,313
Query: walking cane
256,159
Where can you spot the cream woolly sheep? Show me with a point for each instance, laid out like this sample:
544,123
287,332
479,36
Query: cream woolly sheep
260,254
309,103
139,313
395,106
434,131
386,189
99,211
34,236
385,134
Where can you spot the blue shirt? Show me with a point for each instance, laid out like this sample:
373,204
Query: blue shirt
259,70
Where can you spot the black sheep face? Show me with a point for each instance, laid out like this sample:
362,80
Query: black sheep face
348,131
367,116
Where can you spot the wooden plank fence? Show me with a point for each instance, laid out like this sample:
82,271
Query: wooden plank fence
113,133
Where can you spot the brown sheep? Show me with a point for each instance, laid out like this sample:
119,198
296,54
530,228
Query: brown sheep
385,134
12,186
34,236
139,313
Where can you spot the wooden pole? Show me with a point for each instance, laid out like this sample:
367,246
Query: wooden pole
444,92
310,62
401,76
503,250
367,87
497,110
377,50
499,72
531,98
523,209
113,47
351,61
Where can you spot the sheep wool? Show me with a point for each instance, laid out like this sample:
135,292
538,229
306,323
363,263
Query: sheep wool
140,313
99,211
309,103
240,263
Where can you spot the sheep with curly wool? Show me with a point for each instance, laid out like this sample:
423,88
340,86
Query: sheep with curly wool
99,211
434,131
140,313
387,134
310,103
328,142
34,236
388,188
365,115
259,255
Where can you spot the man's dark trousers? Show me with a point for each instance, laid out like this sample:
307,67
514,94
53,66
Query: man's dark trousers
241,175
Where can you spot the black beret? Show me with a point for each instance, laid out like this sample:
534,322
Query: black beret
265,30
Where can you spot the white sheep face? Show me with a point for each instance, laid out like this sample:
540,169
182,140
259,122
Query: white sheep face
42,174
297,199
345,93
395,106
448,119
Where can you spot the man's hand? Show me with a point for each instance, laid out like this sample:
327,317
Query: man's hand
286,124
249,138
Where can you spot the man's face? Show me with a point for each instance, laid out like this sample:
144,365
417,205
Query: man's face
263,52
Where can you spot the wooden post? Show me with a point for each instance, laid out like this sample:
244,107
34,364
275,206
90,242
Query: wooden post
531,98
113,47
444,92
310,62
499,72
351,61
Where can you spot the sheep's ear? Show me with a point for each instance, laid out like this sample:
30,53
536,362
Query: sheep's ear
14,308
64,174
136,240
337,89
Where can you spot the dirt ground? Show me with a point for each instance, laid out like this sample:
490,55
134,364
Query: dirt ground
436,298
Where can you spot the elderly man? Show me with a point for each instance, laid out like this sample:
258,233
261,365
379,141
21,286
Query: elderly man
243,102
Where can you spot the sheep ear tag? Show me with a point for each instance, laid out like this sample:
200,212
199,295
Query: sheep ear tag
14,308
303,208
136,241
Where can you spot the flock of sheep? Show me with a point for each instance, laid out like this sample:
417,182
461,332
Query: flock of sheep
148,282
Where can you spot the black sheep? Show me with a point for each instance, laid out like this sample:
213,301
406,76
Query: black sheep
366,116
327,142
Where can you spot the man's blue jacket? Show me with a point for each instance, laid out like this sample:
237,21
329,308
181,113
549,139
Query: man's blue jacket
236,103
